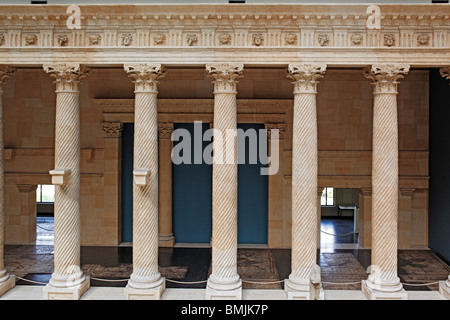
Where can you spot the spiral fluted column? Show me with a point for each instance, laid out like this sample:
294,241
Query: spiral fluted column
304,280
67,281
383,282
224,281
7,281
145,281
444,286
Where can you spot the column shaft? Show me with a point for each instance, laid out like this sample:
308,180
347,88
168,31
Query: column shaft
304,280
224,280
383,281
145,281
67,281
7,281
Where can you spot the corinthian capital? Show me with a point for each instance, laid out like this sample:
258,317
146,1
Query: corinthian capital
305,76
165,130
445,72
67,76
385,76
225,76
6,72
145,76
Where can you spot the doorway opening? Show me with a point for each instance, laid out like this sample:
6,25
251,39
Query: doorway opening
339,209
45,200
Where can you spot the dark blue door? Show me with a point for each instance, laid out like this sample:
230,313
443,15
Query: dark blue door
127,182
192,191
252,193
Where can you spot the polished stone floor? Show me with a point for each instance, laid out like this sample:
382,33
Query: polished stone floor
342,263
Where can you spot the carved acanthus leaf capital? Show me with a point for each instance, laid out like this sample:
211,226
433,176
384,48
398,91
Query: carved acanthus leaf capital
6,72
225,76
165,130
112,129
306,76
145,76
271,130
67,76
445,72
385,76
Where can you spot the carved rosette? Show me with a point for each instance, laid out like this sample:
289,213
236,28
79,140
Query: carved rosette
6,72
165,130
68,76
445,72
271,127
112,129
225,76
306,77
146,76
385,76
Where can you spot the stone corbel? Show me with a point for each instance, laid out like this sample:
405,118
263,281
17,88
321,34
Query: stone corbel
141,177
60,176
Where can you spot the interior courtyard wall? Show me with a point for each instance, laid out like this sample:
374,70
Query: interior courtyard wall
344,101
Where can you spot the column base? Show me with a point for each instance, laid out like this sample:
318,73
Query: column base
444,289
8,284
155,293
307,292
373,294
68,293
223,291
166,240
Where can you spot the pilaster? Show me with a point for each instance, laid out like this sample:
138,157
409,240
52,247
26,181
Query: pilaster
166,237
7,281
112,148
275,190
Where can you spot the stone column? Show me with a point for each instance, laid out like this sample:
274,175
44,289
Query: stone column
166,238
7,281
224,282
67,281
444,286
383,282
145,281
304,280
